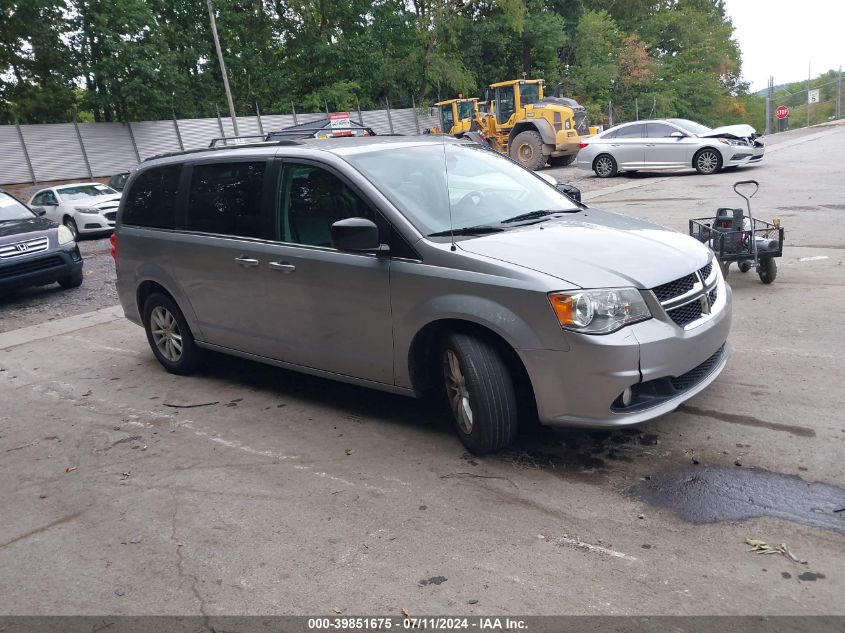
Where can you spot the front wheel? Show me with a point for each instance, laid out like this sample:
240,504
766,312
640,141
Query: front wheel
527,150
707,161
767,269
605,166
70,223
169,336
480,393
74,280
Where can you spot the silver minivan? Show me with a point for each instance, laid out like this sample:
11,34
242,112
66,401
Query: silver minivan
418,265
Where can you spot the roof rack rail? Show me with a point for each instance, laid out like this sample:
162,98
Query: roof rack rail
238,141
214,146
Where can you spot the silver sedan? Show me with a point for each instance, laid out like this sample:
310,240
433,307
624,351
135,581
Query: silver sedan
669,144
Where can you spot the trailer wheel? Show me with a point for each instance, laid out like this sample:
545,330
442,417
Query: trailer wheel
527,149
767,269
744,266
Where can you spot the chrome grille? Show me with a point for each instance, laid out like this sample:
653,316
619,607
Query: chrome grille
687,313
7,251
674,288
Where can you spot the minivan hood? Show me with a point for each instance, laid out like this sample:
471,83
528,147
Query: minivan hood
731,131
596,249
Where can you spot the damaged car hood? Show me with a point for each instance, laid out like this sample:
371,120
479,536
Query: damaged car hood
596,249
731,131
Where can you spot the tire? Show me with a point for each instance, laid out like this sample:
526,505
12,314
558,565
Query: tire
767,269
744,266
71,224
527,149
71,281
476,380
725,266
160,310
605,166
561,161
707,161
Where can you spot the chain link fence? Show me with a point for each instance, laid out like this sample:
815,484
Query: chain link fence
67,151
789,107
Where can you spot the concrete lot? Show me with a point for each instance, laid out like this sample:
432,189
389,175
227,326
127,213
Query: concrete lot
277,493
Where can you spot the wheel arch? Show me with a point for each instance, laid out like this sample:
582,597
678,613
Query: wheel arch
423,362
706,147
149,285
541,126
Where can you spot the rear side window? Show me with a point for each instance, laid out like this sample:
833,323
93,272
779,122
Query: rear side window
631,131
152,200
225,198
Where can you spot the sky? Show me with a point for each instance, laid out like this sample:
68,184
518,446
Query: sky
779,38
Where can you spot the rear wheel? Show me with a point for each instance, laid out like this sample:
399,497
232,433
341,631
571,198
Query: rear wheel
480,393
71,224
527,149
561,161
74,280
169,336
605,166
767,269
707,161
744,266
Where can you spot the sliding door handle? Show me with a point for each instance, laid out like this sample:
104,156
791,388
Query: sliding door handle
284,267
246,262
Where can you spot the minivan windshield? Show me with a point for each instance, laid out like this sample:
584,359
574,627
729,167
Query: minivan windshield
457,186
11,209
79,192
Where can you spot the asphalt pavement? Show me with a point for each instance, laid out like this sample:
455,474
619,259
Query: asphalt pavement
248,489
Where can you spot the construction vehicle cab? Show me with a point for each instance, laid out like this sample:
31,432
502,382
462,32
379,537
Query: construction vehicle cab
532,128
456,115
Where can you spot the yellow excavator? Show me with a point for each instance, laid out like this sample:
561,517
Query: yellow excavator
529,127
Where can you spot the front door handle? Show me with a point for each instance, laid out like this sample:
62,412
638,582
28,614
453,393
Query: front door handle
246,262
285,267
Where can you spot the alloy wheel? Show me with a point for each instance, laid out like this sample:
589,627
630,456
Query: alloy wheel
604,166
708,162
457,392
166,334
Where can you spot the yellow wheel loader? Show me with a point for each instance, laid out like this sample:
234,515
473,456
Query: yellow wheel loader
531,128
456,116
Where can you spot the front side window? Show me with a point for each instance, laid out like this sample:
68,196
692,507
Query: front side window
660,130
450,186
312,200
47,198
446,117
225,198
11,209
151,202
505,105
529,93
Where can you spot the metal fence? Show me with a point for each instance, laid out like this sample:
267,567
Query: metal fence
66,151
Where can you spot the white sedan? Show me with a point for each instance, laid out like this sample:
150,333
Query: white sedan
85,208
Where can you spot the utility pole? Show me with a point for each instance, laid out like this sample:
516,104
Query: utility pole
808,94
839,93
223,68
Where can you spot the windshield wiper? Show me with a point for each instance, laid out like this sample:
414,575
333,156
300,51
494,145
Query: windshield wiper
533,215
469,230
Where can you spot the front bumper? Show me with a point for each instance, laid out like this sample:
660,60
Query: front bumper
736,156
44,268
88,223
663,363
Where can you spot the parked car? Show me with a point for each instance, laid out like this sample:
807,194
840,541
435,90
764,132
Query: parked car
35,251
86,208
669,144
420,264
118,181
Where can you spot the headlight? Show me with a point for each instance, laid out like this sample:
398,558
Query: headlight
730,142
87,210
65,236
599,311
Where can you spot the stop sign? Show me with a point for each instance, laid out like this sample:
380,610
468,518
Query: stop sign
782,112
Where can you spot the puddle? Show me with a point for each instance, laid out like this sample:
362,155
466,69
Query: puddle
711,494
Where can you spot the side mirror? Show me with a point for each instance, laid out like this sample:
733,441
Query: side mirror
39,211
356,235
569,190
678,135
